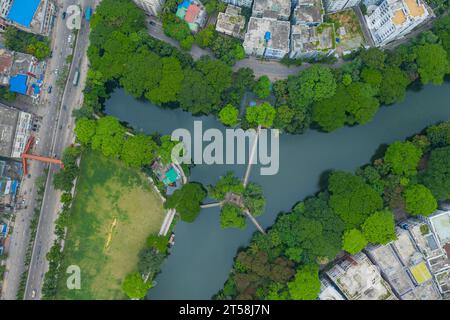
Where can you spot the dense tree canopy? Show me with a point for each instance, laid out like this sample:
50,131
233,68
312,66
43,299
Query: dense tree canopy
263,115
187,201
353,241
432,62
379,228
134,286
437,174
420,200
109,136
262,88
232,217
85,130
228,115
138,151
306,284
403,158
352,198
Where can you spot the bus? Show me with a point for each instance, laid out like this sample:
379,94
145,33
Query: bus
76,77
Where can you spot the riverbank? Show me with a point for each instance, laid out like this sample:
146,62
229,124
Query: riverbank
114,210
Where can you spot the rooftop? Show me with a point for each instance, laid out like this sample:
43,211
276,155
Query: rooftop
415,9
328,291
6,60
440,222
420,273
406,249
399,17
425,240
272,8
23,11
308,11
391,267
18,84
8,124
359,279
311,38
231,22
259,28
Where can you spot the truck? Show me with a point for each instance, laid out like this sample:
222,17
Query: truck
76,77
88,13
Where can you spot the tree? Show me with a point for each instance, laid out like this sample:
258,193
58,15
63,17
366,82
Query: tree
85,130
372,77
138,151
227,183
134,286
439,135
432,62
150,262
109,136
262,88
352,199
379,228
306,284
205,36
254,199
165,149
353,241
231,217
187,201
170,84
228,115
311,85
437,174
403,157
261,115
419,200
330,113
373,58
393,86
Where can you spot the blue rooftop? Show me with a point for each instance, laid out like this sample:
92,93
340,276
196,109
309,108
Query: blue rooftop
18,84
22,11
184,4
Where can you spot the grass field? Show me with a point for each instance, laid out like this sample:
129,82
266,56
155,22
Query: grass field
115,209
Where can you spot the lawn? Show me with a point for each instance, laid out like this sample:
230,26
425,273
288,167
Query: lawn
114,210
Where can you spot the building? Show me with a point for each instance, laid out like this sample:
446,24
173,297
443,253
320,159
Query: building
272,9
15,129
152,7
312,41
231,22
328,291
392,19
358,279
267,38
10,177
338,5
308,12
6,61
194,13
35,16
240,3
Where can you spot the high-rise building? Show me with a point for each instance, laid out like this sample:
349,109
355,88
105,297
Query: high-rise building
152,7
240,3
338,5
393,19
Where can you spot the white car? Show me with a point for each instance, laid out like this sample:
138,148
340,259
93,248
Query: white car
33,294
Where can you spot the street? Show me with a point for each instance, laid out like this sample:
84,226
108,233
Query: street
55,134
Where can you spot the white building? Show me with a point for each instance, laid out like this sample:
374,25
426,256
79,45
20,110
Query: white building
338,5
267,38
309,12
393,19
240,3
231,22
152,7
273,9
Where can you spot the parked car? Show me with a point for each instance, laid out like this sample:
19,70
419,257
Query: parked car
64,15
50,89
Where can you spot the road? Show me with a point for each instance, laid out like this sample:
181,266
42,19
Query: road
47,110
63,137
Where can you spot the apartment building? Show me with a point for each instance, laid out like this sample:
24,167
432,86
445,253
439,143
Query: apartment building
240,3
392,19
338,5
272,9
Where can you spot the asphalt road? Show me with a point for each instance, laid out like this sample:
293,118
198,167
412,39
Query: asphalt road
62,137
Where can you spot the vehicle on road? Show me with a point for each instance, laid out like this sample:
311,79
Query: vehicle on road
50,89
76,77
152,23
88,13
64,15
33,294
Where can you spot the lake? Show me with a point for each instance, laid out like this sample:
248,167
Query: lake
203,254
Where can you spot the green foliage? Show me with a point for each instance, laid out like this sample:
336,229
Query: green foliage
439,135
352,199
178,29
379,228
311,85
262,88
263,115
134,286
393,85
353,241
187,201
231,217
165,149
20,41
432,62
419,200
403,157
85,130
437,174
228,115
138,151
150,262
254,199
109,136
373,58
306,284
158,243
227,183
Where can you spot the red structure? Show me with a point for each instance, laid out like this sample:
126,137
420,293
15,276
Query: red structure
27,156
